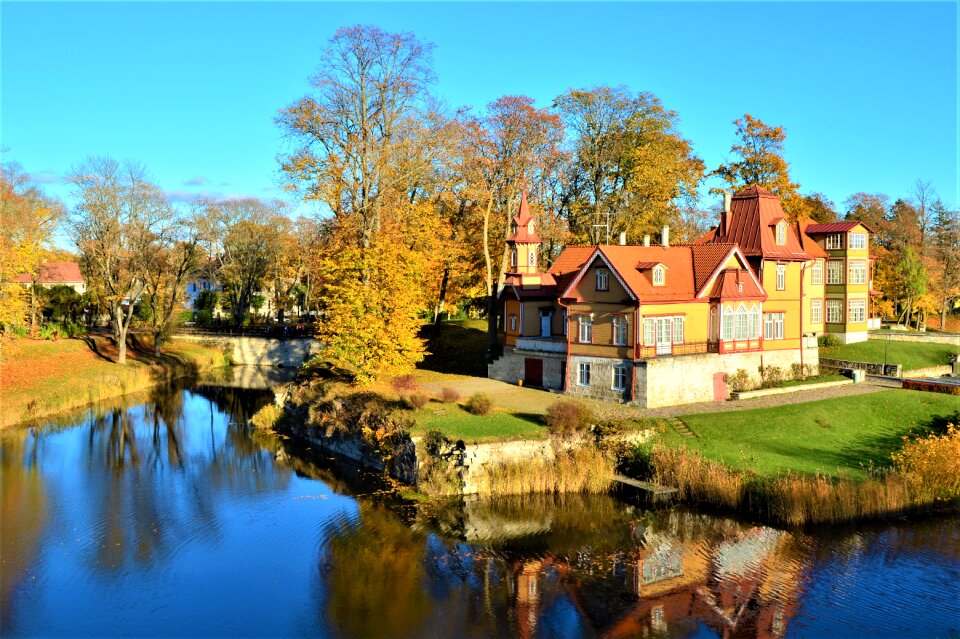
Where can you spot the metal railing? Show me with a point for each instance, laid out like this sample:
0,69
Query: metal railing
278,332
687,348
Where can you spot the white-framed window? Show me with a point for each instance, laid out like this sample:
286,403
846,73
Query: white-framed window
835,272
781,233
565,321
513,322
649,332
530,227
858,240
834,241
740,328
727,324
619,330
816,311
659,275
816,277
585,335
857,312
834,311
753,320
603,279
533,258
781,277
619,378
678,330
513,257
858,272
583,374
773,326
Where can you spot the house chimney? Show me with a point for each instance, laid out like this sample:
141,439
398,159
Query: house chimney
623,238
646,240
665,236
726,211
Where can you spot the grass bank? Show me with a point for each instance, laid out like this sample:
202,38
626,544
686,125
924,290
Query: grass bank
817,462
42,378
910,355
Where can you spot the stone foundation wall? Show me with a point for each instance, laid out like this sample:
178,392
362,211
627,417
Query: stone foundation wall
510,367
601,378
930,338
873,368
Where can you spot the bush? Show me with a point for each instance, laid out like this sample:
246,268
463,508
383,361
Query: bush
636,461
829,341
479,404
404,383
739,381
931,464
770,376
267,417
416,401
449,395
567,416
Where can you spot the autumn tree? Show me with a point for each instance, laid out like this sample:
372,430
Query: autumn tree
28,220
117,213
630,169
945,251
169,260
758,160
819,208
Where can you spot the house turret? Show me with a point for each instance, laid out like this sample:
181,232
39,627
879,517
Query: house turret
523,242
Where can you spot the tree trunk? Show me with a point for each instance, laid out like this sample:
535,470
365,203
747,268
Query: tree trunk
492,346
121,336
443,296
156,342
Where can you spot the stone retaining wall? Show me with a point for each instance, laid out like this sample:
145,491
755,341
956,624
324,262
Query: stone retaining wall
929,338
932,371
764,392
259,351
873,368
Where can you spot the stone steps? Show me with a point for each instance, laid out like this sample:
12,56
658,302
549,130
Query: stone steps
682,428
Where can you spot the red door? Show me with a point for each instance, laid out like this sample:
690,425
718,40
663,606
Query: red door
720,392
533,371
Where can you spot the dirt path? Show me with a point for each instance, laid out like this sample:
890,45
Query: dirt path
529,400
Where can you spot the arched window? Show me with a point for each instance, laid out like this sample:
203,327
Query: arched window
781,232
754,322
741,322
513,257
727,327
530,227
659,275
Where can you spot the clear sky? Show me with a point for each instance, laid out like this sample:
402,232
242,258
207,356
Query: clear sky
867,92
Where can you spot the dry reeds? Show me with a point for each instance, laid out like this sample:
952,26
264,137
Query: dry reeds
578,470
794,499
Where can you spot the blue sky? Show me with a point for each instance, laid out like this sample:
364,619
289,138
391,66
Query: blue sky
867,92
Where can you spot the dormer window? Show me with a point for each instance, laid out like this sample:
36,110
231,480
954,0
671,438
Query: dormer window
781,233
603,279
659,275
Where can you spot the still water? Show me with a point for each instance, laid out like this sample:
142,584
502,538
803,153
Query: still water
171,517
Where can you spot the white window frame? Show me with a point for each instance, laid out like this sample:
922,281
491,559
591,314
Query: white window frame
860,242
659,276
834,241
753,322
773,326
856,311
513,321
619,378
816,277
741,329
620,327
726,324
781,233
678,329
816,311
857,272
603,279
583,374
781,277
834,313
585,330
649,332
835,272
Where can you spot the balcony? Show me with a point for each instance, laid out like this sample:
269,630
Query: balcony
541,345
673,350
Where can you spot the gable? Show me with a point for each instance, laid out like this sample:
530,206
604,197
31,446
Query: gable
585,287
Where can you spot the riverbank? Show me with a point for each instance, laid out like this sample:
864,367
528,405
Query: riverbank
41,378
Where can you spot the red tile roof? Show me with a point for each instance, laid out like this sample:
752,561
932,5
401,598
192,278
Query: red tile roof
753,213
706,259
547,289
736,284
521,220
55,273
837,227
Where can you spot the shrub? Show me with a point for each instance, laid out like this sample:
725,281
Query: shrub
739,381
404,383
267,417
479,404
567,416
770,376
636,461
415,401
932,387
449,395
829,341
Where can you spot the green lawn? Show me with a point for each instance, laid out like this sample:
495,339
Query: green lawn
456,423
831,436
910,355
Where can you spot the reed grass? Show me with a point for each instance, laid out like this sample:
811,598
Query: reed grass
577,470
793,499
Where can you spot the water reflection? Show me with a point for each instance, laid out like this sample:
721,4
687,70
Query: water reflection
173,517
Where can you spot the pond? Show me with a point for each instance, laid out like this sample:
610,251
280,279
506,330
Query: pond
170,516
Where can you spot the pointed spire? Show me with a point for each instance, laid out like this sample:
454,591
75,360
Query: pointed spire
523,213
522,230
